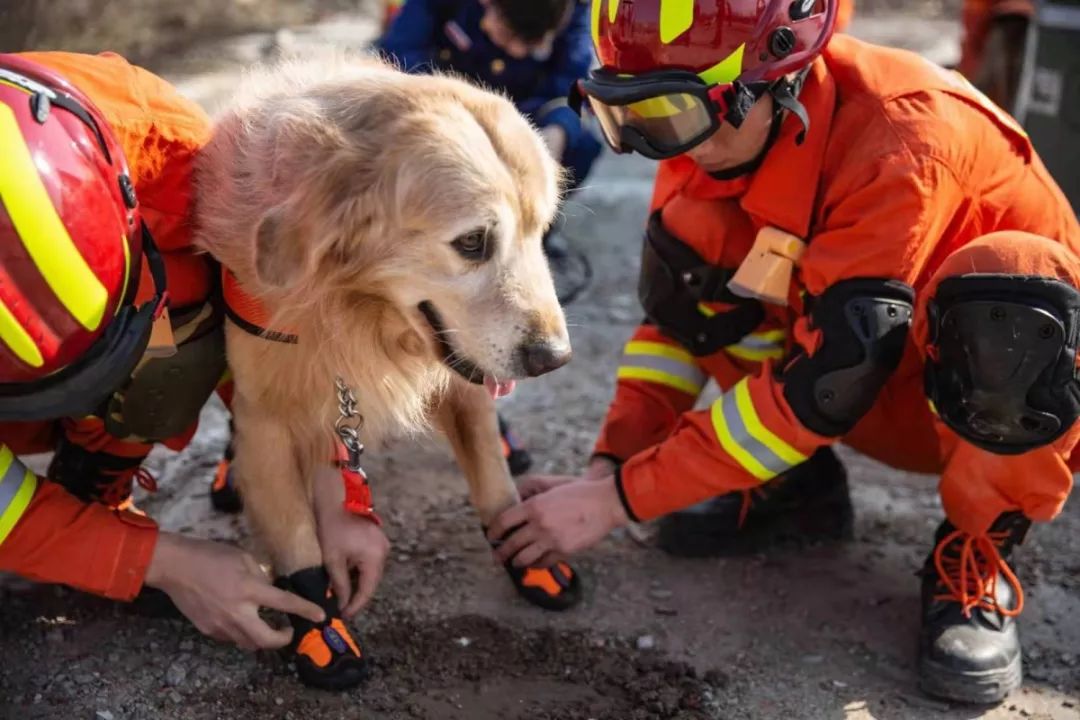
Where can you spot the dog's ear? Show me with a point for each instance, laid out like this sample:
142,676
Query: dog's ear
281,256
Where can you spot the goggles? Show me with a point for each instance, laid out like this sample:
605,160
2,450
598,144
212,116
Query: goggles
662,114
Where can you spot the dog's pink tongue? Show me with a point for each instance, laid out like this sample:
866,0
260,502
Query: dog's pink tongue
498,389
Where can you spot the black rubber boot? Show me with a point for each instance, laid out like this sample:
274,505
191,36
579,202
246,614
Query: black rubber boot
809,503
969,647
517,457
326,655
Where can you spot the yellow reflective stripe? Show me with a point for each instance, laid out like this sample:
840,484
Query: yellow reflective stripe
127,269
933,407
676,17
644,347
758,430
42,232
596,21
17,339
659,377
12,511
754,354
732,448
727,70
612,10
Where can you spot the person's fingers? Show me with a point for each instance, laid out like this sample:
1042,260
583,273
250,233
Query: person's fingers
548,559
506,521
370,575
530,555
268,596
338,570
260,635
511,546
534,485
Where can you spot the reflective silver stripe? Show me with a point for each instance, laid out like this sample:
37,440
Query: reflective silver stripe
10,483
692,373
760,343
742,437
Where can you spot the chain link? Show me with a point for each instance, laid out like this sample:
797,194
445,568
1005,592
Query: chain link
349,423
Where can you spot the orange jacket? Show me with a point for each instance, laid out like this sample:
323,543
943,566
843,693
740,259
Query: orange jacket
46,534
844,14
904,162
977,17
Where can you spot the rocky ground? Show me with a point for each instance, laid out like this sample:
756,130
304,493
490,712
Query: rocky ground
824,633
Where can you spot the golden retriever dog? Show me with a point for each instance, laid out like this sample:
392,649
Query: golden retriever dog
392,224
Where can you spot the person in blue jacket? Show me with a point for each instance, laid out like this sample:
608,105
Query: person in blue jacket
531,50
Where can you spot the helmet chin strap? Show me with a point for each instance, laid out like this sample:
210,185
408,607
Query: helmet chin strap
785,94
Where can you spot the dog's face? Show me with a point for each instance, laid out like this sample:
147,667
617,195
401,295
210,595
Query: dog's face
430,197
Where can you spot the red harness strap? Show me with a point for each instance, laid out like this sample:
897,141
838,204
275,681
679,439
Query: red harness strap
250,315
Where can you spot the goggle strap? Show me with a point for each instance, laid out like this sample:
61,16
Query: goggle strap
784,94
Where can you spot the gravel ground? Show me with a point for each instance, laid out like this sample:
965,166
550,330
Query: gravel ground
822,633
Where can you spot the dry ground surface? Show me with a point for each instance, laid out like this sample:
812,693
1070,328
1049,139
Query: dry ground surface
824,633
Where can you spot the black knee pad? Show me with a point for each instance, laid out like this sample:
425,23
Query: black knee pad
1002,367
864,325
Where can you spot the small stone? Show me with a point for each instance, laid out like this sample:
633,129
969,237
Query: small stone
838,684
666,611
463,642
441,557
403,558
175,697
279,701
103,715
813,659
187,646
661,594
37,698
646,642
175,675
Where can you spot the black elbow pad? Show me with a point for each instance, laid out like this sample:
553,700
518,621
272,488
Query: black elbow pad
864,324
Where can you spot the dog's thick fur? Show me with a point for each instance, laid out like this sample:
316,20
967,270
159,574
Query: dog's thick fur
334,189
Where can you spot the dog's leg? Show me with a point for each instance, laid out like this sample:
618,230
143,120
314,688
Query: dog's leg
467,417
278,503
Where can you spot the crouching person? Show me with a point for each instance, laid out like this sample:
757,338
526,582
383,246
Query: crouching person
858,247
111,340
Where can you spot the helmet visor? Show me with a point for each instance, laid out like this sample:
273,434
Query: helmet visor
659,116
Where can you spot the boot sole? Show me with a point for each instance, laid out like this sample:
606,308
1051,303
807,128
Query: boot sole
811,524
977,688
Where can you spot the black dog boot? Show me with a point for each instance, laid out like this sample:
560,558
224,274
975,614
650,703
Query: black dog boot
809,503
556,588
518,459
969,647
326,655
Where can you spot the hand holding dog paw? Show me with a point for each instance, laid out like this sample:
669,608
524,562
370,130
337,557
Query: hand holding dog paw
348,543
537,484
220,589
568,518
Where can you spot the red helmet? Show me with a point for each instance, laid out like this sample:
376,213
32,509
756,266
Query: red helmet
671,69
71,249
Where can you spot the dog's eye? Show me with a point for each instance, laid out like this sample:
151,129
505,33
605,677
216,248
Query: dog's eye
475,244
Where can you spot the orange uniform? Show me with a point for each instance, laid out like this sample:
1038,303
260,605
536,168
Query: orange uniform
844,14
904,167
45,533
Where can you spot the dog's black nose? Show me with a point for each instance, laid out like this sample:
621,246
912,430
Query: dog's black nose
543,357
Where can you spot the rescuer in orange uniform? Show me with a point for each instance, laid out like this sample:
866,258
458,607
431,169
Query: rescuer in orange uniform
859,247
108,345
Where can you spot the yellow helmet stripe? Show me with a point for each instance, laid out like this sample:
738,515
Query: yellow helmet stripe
42,232
596,21
727,70
17,339
676,17
612,10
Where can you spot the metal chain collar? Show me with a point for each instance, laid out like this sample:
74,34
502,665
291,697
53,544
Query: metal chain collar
349,423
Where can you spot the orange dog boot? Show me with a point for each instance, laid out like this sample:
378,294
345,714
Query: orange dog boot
326,655
224,495
556,588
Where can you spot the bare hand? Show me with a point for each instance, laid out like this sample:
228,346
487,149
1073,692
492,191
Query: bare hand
536,484
349,542
568,518
220,589
600,468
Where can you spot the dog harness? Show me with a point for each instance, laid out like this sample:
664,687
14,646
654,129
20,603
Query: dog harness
249,314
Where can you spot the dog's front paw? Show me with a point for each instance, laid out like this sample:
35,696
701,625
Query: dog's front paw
326,655
556,588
